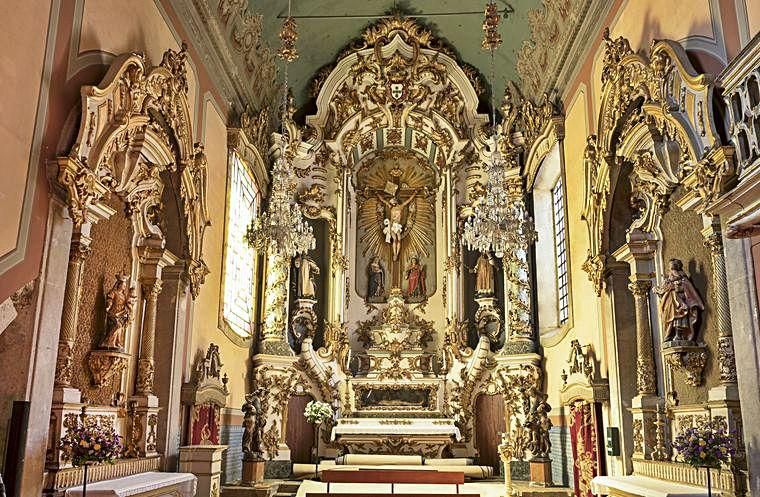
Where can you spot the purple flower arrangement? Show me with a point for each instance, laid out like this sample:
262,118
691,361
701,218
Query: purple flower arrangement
705,446
87,444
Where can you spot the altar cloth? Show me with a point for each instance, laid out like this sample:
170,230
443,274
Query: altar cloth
396,426
184,483
644,486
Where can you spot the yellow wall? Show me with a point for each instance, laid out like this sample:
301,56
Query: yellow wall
585,321
753,16
205,327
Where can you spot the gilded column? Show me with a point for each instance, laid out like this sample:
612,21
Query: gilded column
274,329
80,247
146,364
646,383
726,362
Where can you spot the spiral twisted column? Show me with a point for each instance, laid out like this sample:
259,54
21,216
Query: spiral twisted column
80,247
146,364
646,382
726,358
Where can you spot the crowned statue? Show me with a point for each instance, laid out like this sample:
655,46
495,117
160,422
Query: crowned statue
119,302
680,305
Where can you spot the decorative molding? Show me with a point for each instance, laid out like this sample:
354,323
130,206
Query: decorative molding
656,111
134,126
227,35
581,381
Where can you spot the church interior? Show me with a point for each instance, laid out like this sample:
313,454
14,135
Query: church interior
291,248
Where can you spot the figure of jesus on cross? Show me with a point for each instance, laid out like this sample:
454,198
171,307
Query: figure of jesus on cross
392,225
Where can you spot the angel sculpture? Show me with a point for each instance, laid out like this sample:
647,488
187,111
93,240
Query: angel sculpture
119,301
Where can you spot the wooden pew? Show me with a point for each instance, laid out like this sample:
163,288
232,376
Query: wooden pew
392,476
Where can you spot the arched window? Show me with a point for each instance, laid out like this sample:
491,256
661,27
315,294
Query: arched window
552,262
243,200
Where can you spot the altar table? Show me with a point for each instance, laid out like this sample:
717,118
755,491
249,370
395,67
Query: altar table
642,486
152,483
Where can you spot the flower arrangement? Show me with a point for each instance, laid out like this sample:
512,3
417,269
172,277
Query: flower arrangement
90,443
317,412
705,446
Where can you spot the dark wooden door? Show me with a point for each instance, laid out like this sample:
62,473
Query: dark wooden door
299,433
489,423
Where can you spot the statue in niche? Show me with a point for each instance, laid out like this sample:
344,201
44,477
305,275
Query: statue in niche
392,225
307,272
119,302
484,278
375,279
680,305
253,425
415,278
538,424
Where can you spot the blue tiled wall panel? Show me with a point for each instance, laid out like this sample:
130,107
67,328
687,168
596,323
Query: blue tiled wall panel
562,456
232,460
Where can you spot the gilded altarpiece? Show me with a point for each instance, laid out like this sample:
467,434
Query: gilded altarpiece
396,238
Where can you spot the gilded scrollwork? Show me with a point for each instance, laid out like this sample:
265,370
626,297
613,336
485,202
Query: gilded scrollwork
642,96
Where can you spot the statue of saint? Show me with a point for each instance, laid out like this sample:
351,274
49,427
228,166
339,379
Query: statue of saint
680,305
484,280
253,425
375,278
392,225
119,301
415,277
307,272
538,423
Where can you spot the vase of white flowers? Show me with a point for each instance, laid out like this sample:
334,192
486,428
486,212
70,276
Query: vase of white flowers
316,413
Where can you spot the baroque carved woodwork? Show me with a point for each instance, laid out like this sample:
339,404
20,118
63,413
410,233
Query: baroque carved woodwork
135,125
649,115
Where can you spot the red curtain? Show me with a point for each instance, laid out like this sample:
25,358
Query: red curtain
204,428
584,437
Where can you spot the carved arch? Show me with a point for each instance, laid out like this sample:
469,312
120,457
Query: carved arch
656,112
135,129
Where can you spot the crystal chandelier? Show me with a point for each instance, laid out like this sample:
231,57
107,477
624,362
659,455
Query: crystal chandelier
499,222
282,229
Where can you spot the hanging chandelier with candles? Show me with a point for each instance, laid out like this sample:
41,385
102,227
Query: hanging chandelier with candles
282,229
499,222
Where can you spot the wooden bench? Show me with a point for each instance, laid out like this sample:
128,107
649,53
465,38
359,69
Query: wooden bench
392,476
152,483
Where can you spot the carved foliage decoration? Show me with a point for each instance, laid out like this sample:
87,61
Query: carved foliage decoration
397,76
654,113
551,29
134,126
244,28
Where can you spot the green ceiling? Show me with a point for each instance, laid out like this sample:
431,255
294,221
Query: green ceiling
322,39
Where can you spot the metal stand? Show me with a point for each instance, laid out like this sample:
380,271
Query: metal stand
84,483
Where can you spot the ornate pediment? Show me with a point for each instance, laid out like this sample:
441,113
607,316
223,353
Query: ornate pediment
580,381
656,112
134,126
208,385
